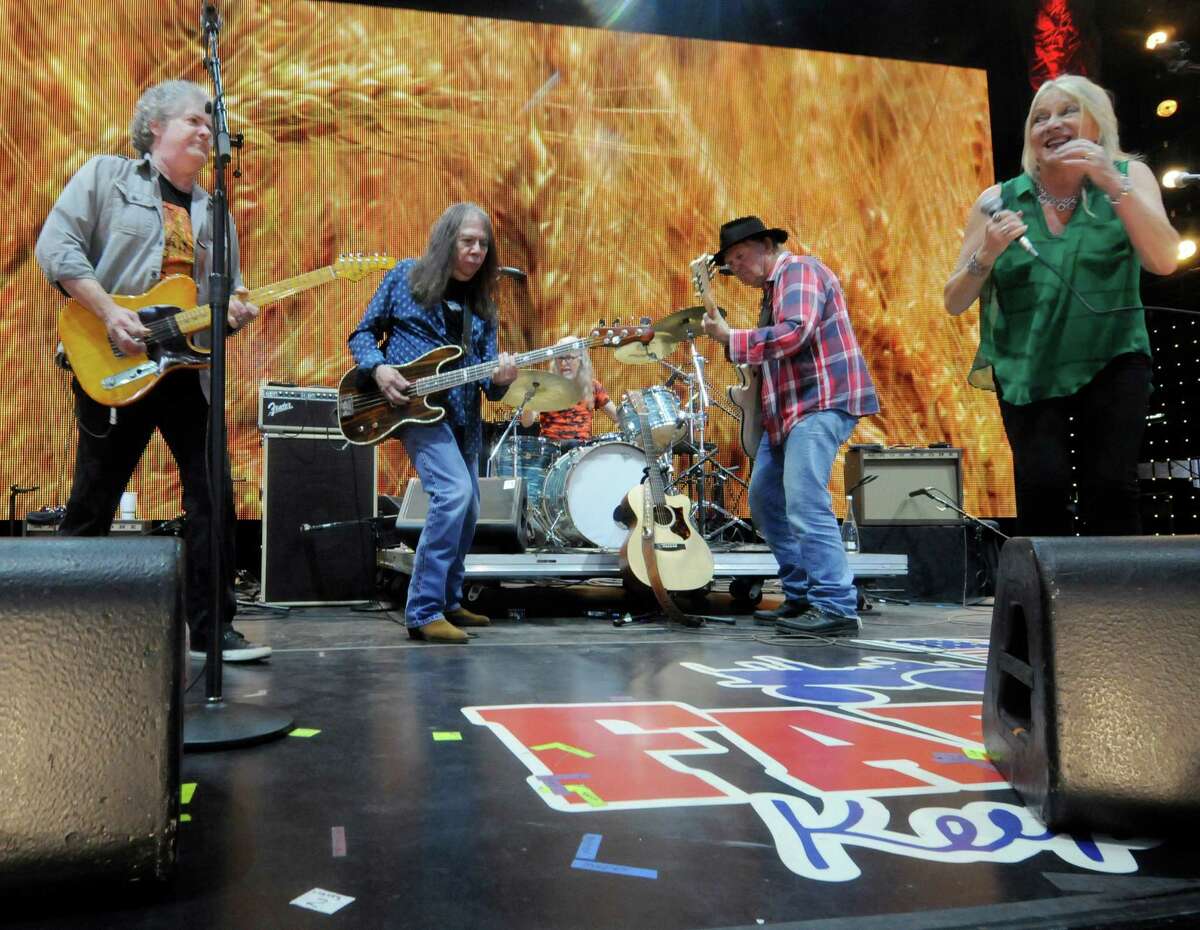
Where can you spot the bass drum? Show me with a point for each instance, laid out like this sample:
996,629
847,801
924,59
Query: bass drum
584,487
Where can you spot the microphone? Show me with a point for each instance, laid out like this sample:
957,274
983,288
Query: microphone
919,492
993,206
19,489
512,272
725,270
210,19
1177,178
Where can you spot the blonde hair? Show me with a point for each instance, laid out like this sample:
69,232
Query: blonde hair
1094,101
583,377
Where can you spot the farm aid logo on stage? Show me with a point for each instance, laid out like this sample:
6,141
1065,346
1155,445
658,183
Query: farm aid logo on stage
837,741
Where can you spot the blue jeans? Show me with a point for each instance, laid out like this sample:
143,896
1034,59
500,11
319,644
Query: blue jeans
790,503
452,484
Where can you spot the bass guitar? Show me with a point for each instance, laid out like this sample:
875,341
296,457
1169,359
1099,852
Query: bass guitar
366,416
169,311
746,396
664,551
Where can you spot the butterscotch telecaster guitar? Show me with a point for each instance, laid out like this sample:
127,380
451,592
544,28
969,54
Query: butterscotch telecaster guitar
746,396
366,416
169,311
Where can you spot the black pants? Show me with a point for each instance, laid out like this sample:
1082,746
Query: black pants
1103,422
107,455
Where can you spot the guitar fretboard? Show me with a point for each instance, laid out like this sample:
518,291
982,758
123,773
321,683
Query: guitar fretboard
443,381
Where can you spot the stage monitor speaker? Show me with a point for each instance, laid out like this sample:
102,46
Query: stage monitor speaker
503,524
311,480
1091,706
91,648
895,474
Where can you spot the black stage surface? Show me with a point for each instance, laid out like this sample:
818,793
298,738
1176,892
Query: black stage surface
560,772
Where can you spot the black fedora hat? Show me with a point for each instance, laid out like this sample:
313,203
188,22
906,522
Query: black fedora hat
743,228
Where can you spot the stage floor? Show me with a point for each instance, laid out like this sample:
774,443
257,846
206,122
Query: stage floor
560,772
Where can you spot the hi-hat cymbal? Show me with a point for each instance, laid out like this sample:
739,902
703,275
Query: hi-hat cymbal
676,325
544,389
646,353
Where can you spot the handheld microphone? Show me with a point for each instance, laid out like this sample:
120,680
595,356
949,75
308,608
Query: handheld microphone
993,206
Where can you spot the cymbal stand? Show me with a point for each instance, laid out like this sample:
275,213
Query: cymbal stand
534,517
706,466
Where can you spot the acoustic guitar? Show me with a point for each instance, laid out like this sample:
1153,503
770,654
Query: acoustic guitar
169,311
746,396
664,549
367,417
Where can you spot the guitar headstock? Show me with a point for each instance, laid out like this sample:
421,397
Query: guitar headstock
703,269
619,334
354,266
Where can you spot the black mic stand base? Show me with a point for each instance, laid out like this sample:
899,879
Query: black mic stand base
218,724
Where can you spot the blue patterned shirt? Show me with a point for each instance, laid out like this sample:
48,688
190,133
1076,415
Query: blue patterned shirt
416,330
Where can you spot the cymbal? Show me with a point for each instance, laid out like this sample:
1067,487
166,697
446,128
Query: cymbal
675,325
638,353
550,391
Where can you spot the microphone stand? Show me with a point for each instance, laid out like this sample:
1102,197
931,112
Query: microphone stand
943,500
216,724
13,491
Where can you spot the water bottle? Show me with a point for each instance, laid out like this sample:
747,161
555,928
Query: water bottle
849,527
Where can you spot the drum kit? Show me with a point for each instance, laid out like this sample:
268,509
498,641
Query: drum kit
574,488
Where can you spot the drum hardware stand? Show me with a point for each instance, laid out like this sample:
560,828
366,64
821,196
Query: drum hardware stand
696,472
535,518
13,491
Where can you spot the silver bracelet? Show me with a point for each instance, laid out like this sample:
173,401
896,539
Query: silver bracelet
1126,187
975,267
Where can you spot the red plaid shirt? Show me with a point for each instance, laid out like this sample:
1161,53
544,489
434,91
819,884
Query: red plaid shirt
809,355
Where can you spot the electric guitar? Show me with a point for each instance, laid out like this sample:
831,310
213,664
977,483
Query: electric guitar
746,396
365,416
169,311
664,550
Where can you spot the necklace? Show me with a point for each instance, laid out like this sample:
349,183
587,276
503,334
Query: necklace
1061,204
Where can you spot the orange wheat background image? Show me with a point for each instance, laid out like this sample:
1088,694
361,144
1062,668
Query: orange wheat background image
607,161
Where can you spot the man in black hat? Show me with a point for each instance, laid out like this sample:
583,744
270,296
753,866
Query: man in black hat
815,386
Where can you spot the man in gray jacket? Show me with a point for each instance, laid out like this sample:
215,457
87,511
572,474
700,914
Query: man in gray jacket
119,227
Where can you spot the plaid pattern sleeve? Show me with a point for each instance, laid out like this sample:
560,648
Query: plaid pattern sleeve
809,354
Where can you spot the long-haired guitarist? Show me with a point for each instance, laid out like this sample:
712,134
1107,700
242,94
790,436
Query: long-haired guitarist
815,386
442,298
118,227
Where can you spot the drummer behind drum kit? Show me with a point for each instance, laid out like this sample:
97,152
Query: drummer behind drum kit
575,490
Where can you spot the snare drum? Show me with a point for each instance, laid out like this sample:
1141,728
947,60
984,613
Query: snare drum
532,459
666,422
584,487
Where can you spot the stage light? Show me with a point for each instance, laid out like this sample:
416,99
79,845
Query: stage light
1179,177
1167,108
1155,39
1187,249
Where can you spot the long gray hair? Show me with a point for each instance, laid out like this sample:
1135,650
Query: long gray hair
161,103
583,374
431,274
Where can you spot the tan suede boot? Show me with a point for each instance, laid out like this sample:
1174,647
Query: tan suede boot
460,616
439,631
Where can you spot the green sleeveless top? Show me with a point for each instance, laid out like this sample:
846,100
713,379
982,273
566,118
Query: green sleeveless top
1035,337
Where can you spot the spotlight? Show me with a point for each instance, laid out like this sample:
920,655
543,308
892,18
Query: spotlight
1187,249
1167,108
1155,39
1177,177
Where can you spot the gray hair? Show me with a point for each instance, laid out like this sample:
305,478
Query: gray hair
161,103
431,274
583,374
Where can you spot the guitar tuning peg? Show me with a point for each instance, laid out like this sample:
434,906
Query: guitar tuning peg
616,321
601,323
644,321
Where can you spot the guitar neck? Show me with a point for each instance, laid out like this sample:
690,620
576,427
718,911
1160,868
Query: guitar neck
657,491
198,318
444,381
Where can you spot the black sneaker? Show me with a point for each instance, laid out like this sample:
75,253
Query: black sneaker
817,622
234,648
787,609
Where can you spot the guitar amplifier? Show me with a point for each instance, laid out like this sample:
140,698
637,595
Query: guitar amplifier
286,408
888,500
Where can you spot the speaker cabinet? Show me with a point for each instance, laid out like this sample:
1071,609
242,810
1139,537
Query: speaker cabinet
1091,708
91,646
503,525
895,474
308,481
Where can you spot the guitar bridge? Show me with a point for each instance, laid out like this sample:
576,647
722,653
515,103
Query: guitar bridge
669,547
143,370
